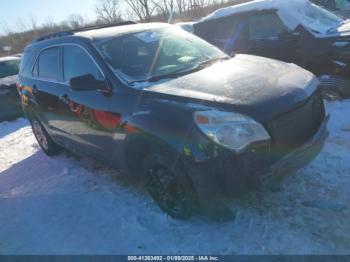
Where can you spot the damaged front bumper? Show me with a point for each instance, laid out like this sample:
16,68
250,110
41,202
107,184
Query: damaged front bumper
296,159
234,174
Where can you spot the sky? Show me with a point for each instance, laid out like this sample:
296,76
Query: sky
12,10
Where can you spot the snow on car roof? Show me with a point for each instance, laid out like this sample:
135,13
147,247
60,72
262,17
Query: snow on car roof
256,5
291,12
9,58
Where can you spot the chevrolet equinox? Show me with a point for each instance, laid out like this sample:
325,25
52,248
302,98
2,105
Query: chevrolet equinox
172,110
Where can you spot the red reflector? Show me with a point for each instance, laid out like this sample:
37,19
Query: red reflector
107,120
202,119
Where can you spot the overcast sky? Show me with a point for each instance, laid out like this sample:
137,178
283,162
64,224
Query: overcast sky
12,10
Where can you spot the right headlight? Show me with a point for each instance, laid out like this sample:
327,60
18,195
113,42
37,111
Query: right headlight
231,130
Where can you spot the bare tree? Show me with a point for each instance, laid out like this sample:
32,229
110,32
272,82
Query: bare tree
49,22
75,21
181,6
21,25
165,7
108,11
143,9
33,22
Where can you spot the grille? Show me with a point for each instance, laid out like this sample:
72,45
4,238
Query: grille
298,126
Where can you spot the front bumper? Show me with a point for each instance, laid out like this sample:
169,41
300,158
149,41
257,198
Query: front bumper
237,173
296,159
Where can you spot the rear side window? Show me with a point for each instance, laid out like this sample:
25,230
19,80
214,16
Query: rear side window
49,64
27,64
76,62
266,27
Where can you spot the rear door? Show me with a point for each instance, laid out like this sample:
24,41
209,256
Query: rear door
43,87
86,118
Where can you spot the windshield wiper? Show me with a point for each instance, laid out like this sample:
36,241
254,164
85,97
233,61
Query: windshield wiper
182,72
157,78
211,61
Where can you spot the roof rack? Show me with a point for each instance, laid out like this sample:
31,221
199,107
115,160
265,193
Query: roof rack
103,26
53,35
71,32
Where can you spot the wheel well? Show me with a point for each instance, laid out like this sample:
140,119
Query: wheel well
138,149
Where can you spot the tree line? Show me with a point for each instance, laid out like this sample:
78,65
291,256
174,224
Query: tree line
107,12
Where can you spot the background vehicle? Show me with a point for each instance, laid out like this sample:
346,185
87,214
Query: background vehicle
329,4
333,4
172,109
292,31
10,105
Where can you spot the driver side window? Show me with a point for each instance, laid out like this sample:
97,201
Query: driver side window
78,63
266,27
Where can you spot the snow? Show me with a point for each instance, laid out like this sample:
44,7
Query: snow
187,26
292,13
72,205
259,5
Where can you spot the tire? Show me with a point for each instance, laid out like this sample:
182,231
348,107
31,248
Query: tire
43,138
169,185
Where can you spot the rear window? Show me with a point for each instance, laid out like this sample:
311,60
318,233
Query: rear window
49,66
9,68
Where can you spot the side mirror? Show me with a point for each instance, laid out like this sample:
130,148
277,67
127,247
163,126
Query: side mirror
86,83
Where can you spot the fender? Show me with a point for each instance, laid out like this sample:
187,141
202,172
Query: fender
172,125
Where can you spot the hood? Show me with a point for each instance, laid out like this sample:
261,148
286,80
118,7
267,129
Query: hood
8,81
261,87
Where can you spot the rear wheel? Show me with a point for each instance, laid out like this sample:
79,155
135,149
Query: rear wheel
169,186
44,140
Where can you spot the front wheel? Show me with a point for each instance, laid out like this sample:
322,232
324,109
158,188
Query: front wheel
169,186
44,140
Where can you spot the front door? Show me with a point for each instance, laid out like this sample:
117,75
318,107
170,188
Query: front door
87,120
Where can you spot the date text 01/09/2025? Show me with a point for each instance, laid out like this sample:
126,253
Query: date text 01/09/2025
173,258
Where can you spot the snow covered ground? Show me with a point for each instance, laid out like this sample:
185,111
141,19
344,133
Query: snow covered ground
70,205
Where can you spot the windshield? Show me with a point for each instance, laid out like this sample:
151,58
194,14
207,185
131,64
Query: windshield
319,20
142,55
9,68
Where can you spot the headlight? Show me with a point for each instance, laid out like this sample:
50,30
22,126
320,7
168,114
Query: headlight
232,130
